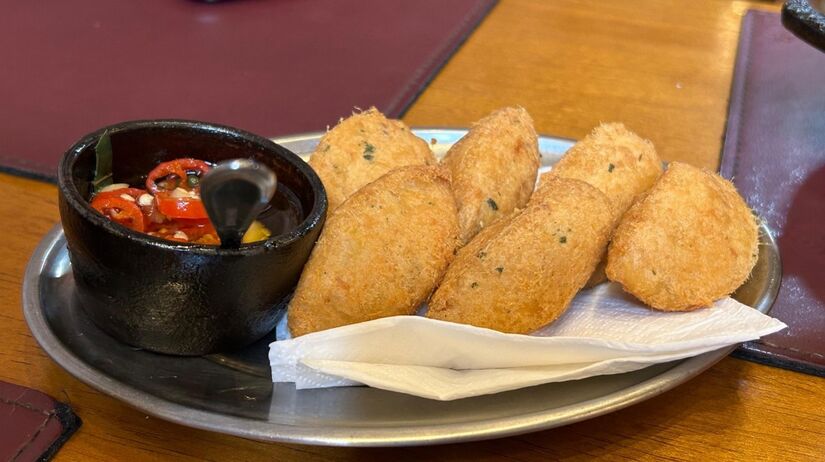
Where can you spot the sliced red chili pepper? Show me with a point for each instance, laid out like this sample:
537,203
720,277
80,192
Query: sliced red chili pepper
150,213
193,165
133,192
180,207
199,231
120,210
177,168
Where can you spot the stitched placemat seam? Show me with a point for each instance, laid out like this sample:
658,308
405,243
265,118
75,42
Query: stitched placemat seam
418,80
26,406
33,437
788,348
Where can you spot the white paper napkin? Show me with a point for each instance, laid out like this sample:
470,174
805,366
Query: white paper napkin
603,332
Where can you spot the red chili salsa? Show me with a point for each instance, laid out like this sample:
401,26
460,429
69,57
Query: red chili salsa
169,207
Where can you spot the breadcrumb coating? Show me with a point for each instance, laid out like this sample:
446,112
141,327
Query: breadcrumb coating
494,168
690,241
381,254
616,161
520,273
362,148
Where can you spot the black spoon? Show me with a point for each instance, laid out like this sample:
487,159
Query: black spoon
234,192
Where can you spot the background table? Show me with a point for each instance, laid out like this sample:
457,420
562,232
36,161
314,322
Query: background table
663,68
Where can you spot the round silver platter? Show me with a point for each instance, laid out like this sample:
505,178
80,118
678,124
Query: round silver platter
232,393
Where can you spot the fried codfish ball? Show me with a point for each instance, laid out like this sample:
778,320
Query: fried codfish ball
381,254
360,149
690,241
520,273
494,168
618,163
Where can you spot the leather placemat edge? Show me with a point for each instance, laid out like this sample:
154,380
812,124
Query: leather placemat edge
417,84
397,108
757,351
70,422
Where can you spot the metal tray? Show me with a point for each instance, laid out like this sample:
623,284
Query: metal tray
232,393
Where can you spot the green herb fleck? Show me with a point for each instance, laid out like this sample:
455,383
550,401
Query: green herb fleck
492,203
474,285
563,239
103,162
640,157
654,272
368,151
610,168
500,269
326,148
481,254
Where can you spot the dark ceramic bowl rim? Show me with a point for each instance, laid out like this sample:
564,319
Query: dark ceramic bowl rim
73,197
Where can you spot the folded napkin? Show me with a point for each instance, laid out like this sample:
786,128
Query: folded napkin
603,332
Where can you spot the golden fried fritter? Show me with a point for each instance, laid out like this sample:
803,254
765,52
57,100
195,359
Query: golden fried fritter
690,241
493,168
360,149
381,254
616,161
521,272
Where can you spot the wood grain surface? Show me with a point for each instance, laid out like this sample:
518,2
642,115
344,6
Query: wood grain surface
662,67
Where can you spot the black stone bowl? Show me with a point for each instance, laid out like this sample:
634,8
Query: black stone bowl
177,298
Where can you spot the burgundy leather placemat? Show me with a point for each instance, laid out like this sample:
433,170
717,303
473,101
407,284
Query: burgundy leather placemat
272,67
775,153
33,426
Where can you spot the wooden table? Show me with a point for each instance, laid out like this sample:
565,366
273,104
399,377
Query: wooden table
664,69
